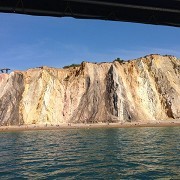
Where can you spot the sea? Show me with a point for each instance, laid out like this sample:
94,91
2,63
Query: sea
96,153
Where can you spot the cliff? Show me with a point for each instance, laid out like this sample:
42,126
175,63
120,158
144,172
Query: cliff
146,89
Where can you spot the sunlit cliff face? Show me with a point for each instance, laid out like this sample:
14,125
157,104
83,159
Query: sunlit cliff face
146,89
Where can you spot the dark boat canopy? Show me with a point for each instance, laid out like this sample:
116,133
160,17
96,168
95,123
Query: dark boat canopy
160,12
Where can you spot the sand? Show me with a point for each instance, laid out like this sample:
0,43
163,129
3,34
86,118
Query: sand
164,123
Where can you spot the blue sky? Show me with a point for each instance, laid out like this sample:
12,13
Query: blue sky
31,41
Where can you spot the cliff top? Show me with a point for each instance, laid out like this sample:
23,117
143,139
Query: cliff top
121,61
153,57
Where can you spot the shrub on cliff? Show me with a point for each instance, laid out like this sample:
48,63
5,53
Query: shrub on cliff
119,60
72,65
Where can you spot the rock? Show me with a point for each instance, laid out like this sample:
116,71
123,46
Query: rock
145,89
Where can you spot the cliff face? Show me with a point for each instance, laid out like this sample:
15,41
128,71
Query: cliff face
146,89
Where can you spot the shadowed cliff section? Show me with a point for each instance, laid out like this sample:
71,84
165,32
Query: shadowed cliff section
117,101
145,89
11,90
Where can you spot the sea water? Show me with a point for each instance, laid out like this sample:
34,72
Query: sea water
112,153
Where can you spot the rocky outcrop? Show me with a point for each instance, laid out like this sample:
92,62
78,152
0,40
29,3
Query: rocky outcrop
11,90
145,89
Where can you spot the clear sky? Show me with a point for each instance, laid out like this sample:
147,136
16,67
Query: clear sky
31,41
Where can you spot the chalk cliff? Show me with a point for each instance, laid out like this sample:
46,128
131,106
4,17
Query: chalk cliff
146,89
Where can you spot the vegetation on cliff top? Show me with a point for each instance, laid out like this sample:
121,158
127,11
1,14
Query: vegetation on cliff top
72,65
119,60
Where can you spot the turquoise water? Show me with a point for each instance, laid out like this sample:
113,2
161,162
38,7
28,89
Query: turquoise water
127,153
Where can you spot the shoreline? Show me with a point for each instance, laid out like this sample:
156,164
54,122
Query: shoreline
34,127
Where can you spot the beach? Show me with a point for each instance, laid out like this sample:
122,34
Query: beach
34,127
